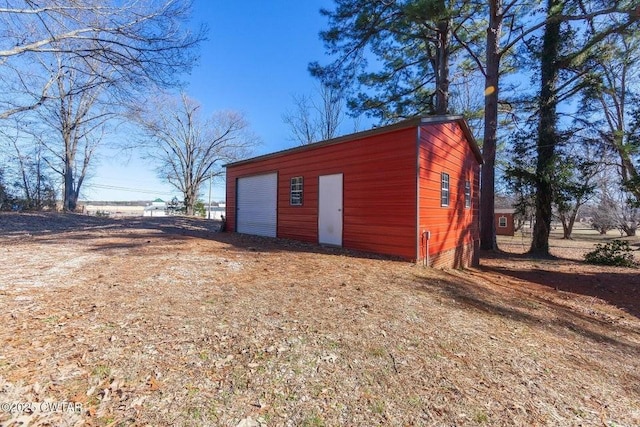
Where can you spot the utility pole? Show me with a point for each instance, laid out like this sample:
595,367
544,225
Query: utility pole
209,210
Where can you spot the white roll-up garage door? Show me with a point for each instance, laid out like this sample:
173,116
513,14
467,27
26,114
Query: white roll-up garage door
257,209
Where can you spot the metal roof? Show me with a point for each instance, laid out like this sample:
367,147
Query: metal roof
504,210
417,121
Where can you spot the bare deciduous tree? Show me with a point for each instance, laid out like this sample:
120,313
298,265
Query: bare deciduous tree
614,209
134,41
26,166
189,148
5,196
74,122
610,102
629,219
604,215
69,61
314,120
301,122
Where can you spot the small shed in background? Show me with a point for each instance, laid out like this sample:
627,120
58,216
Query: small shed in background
156,208
408,190
504,222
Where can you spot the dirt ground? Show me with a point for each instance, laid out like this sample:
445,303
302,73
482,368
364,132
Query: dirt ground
164,321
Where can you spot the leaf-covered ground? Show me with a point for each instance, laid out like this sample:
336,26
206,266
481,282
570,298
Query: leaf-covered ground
163,321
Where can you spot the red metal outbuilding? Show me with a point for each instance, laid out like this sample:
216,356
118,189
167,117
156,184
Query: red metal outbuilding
394,190
504,221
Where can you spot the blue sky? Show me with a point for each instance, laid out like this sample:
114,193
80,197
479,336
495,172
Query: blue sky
254,60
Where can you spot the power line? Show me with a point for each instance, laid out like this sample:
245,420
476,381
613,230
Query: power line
129,189
143,191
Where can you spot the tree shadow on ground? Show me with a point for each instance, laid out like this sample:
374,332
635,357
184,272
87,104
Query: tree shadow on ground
534,311
615,285
21,225
140,231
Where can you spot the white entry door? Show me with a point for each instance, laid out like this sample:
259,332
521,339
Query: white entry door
330,210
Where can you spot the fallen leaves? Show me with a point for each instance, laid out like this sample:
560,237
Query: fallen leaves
154,384
158,328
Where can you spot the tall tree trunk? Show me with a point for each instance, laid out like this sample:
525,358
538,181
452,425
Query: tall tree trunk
70,194
568,221
71,182
189,202
487,205
629,172
442,78
38,190
547,128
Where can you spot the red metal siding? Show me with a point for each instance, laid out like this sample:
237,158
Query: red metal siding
379,207
444,148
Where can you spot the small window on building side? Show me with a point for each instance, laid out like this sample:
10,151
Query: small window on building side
444,192
467,194
296,191
502,222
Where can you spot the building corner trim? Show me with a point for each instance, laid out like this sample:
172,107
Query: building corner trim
417,232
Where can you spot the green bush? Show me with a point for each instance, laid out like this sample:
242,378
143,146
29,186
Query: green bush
199,209
616,252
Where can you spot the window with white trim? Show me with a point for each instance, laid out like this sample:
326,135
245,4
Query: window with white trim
444,189
467,194
502,222
295,198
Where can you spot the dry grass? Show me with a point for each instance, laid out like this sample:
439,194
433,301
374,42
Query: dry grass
583,239
165,322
